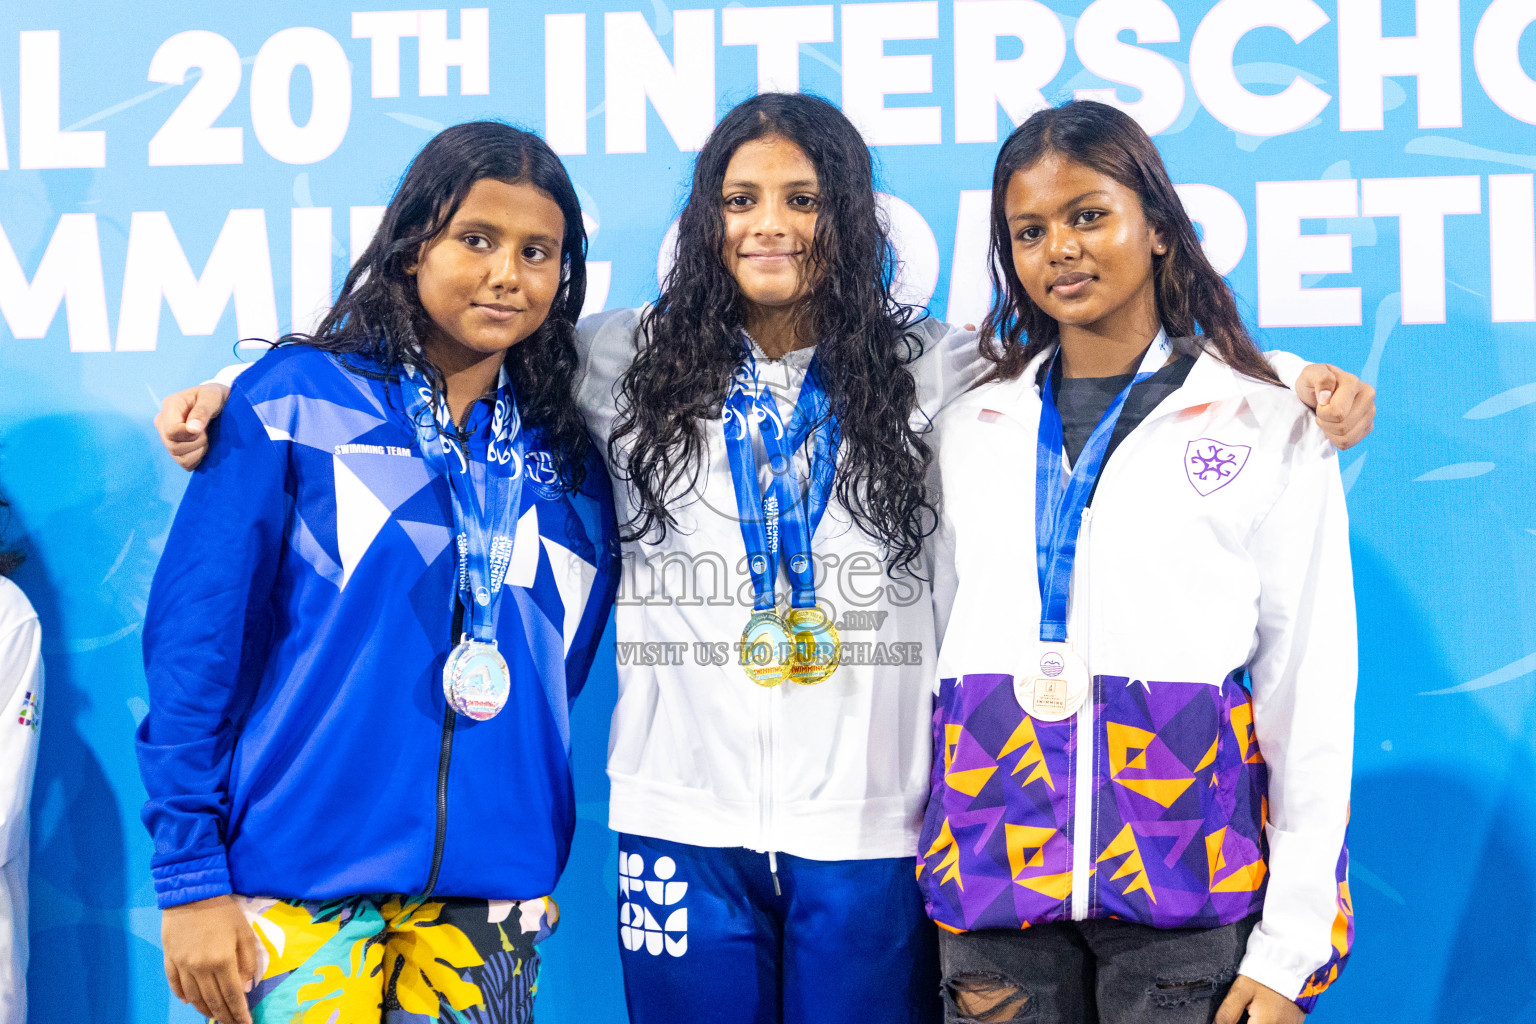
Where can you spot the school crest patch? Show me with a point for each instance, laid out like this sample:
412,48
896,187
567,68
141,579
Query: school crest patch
1210,465
540,471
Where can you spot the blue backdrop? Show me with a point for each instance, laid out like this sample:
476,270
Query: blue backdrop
178,175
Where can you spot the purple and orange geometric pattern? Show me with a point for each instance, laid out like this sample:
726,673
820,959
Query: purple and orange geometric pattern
1343,937
1179,807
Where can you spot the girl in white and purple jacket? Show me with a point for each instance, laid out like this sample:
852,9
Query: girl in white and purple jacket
1144,717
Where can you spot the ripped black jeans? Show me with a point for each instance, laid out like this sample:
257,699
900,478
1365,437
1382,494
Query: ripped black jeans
1082,972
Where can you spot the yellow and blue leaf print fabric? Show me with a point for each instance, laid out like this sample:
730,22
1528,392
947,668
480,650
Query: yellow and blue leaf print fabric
394,960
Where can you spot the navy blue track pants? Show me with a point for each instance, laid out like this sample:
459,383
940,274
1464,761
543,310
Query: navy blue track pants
704,938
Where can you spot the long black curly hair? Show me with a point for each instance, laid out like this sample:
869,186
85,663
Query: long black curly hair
379,313
692,342
1189,292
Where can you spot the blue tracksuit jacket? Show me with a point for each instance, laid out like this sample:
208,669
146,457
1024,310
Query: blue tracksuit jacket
298,743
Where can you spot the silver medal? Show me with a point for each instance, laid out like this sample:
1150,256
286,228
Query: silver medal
476,680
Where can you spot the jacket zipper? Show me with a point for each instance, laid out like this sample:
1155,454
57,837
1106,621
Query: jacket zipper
766,815
773,854
450,717
1082,789
444,756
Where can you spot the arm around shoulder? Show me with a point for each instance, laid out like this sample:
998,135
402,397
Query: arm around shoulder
950,366
1345,405
606,344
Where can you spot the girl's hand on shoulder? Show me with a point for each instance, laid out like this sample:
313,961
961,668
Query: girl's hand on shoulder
1345,404
1263,1005
210,957
183,422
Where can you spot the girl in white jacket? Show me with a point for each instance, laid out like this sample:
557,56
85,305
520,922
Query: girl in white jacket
1144,717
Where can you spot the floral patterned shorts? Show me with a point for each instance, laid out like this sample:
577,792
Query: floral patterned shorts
373,959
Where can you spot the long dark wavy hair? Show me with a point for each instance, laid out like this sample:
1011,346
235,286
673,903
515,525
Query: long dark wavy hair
379,313
693,344
1189,291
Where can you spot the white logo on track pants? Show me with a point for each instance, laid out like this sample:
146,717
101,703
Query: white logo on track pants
644,902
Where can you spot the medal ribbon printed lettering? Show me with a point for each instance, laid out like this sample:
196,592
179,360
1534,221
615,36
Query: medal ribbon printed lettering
476,680
1055,680
802,644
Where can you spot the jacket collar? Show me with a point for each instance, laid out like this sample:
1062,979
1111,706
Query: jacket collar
1210,380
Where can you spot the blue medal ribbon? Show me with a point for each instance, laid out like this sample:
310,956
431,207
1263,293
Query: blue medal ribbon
1059,505
484,529
780,520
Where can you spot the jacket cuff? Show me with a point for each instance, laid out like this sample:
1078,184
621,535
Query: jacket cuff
228,375
1287,366
191,880
1273,967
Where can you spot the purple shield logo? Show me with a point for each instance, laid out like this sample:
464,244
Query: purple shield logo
1211,465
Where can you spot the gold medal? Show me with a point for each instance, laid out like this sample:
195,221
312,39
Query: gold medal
817,645
766,651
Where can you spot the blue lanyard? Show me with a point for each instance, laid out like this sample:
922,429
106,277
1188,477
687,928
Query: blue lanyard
1059,506
484,530
780,519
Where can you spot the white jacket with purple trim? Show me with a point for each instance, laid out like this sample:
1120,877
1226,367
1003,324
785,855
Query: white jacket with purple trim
1207,776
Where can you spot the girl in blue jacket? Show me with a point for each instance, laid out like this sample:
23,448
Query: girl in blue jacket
381,593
